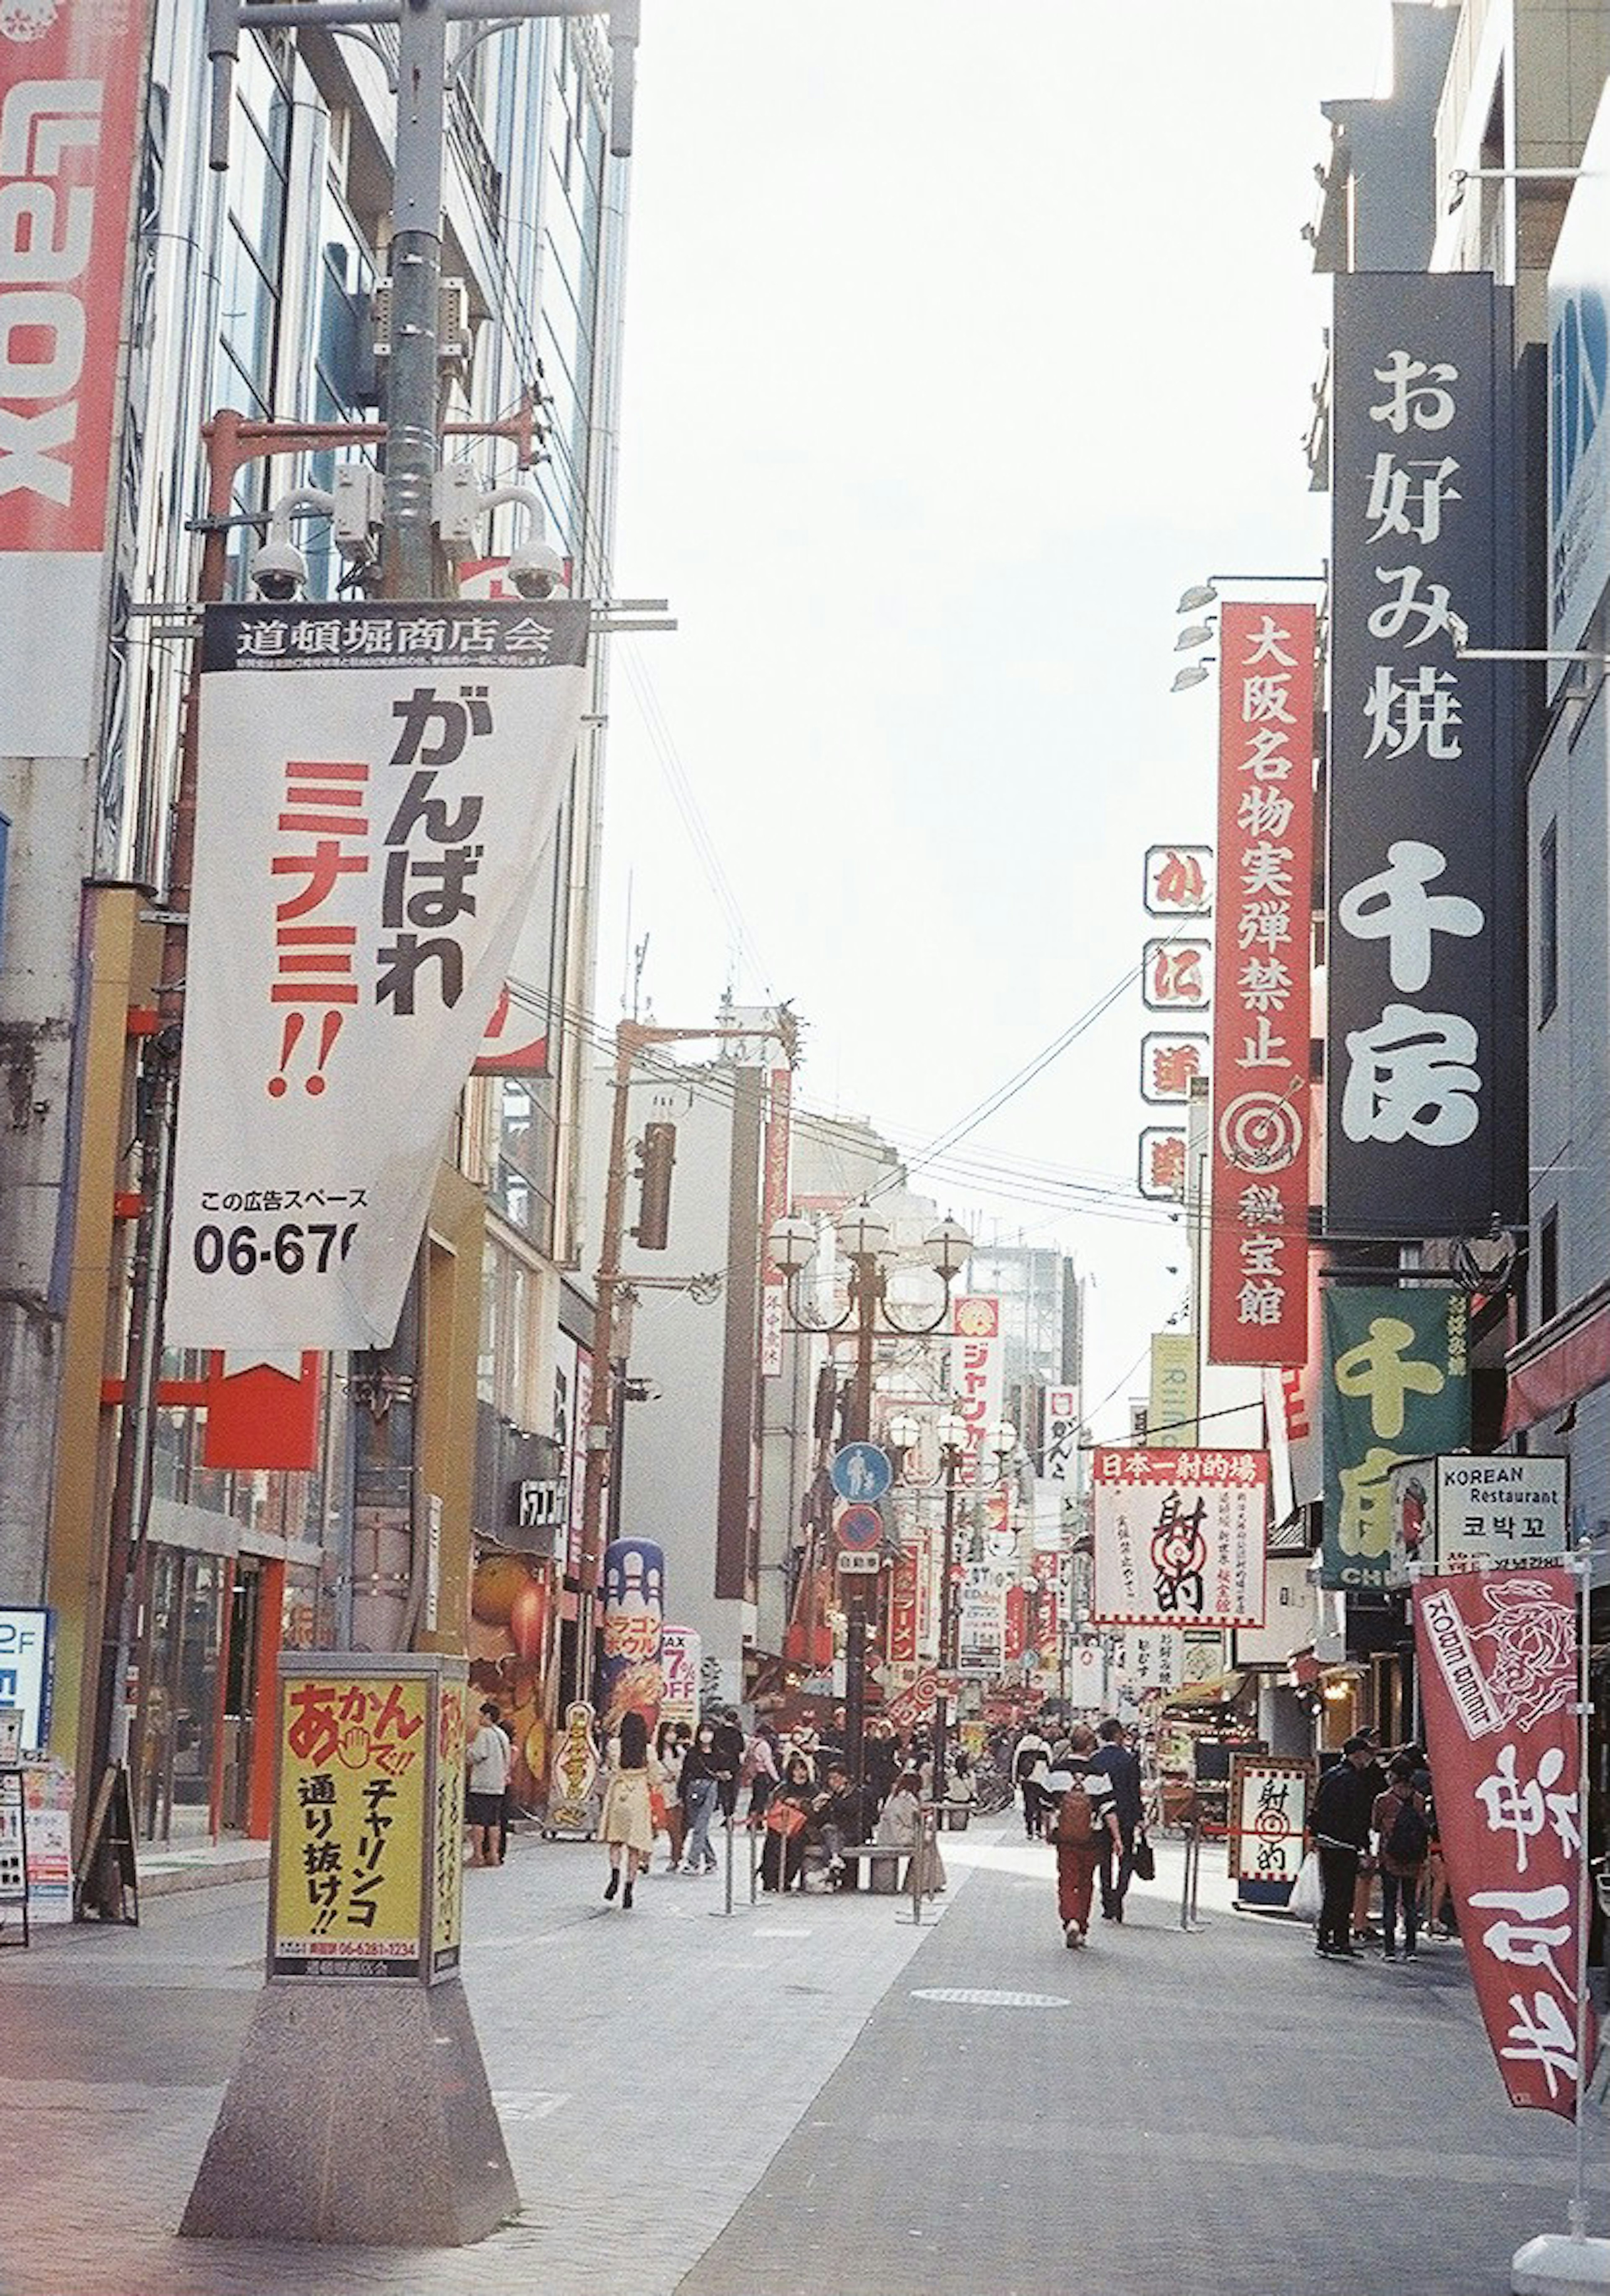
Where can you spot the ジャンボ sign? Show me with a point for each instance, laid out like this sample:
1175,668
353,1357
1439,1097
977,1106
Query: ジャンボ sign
1257,1293
368,1824
975,1374
377,784
1179,1538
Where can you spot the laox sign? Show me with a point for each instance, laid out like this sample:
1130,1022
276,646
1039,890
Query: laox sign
45,241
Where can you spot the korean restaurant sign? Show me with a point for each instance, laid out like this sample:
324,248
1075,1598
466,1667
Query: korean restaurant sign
1425,1016
70,143
376,786
1179,1538
367,1865
1258,1286
1396,1388
1479,1512
1497,1657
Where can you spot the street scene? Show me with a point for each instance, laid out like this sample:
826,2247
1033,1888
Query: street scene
804,1088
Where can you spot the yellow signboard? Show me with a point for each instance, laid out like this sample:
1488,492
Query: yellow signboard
1172,1406
364,1882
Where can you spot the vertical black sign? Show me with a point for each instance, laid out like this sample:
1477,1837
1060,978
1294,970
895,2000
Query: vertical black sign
1425,1027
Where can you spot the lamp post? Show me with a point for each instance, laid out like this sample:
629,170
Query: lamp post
864,1238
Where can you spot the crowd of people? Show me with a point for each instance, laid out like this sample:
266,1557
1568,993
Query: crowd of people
796,1792
1373,1814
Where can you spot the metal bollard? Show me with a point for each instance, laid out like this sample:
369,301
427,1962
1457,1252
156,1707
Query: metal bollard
721,1912
1193,1868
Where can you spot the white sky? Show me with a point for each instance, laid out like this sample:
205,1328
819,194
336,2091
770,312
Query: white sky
959,339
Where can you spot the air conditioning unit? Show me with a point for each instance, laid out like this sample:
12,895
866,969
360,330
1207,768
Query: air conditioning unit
454,336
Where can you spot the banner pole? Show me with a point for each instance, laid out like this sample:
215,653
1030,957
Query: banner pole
1579,2204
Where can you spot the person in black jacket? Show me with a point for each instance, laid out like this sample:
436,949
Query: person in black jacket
1122,1767
728,1746
1338,1823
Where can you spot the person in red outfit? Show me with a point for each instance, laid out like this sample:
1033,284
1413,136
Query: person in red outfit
1081,1816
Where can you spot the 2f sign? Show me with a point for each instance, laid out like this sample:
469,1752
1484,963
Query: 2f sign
46,239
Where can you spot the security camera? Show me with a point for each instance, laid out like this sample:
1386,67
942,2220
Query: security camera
279,572
536,569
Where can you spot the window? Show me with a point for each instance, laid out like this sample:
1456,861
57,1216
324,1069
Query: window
1548,923
1548,1266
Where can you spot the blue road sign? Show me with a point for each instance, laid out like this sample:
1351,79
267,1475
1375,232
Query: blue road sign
859,1526
861,1471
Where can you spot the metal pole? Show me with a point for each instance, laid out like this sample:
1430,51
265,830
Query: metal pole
413,388
601,1411
864,1292
947,1634
1578,2214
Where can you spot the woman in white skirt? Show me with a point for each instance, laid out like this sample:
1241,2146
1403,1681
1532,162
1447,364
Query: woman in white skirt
625,1824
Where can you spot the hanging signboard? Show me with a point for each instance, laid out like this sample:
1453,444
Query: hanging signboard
1478,1514
679,1662
1171,1061
977,1375
376,783
1258,1269
1059,1453
1424,1001
1179,1538
1268,1814
1178,880
1150,1658
1397,1389
1496,1654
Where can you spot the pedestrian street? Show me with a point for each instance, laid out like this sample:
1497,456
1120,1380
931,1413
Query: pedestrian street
813,2095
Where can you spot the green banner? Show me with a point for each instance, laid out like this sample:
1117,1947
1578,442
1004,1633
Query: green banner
1397,1387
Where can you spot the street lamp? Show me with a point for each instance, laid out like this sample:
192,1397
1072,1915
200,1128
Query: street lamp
866,1238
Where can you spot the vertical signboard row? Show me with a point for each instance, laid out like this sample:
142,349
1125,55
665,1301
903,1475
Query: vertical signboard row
1425,1014
1258,1295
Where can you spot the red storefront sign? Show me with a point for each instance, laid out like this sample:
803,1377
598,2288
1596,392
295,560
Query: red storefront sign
901,1647
1258,1289
1497,1653
68,142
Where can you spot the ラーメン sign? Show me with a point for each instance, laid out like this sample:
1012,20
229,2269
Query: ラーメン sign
376,786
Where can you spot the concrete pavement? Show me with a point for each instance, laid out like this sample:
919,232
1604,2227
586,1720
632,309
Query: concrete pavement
778,2102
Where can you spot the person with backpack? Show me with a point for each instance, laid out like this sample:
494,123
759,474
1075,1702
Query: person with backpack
1404,1833
1082,1818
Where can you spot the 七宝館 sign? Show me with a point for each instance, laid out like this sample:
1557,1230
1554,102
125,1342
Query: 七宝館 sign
366,1864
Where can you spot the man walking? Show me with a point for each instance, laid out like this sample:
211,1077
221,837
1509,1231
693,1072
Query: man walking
1029,1764
1122,1767
1339,1821
1080,1818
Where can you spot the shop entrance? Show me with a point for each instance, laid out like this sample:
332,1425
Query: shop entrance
177,1732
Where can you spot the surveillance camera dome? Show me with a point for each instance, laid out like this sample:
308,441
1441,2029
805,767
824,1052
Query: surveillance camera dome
537,570
279,571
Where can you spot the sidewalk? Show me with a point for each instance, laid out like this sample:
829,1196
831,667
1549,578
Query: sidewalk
646,2067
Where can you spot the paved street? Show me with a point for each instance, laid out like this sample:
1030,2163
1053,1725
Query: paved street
773,2103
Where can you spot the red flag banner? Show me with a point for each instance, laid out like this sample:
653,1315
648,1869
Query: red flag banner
1497,1652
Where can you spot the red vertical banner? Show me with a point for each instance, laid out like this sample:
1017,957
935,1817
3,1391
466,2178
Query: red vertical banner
904,1598
1017,1624
1497,1652
1258,1280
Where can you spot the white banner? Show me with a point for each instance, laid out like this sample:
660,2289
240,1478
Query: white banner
1150,1657
1180,1538
376,786
976,1375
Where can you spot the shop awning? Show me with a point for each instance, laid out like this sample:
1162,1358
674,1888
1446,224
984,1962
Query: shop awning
1217,1690
1567,1359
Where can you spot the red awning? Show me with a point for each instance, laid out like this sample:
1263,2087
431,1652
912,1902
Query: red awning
1567,1359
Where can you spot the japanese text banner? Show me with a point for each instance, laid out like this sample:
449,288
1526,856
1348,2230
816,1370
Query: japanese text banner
1497,1655
1258,1286
1426,1020
376,786
1397,1387
1180,1538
